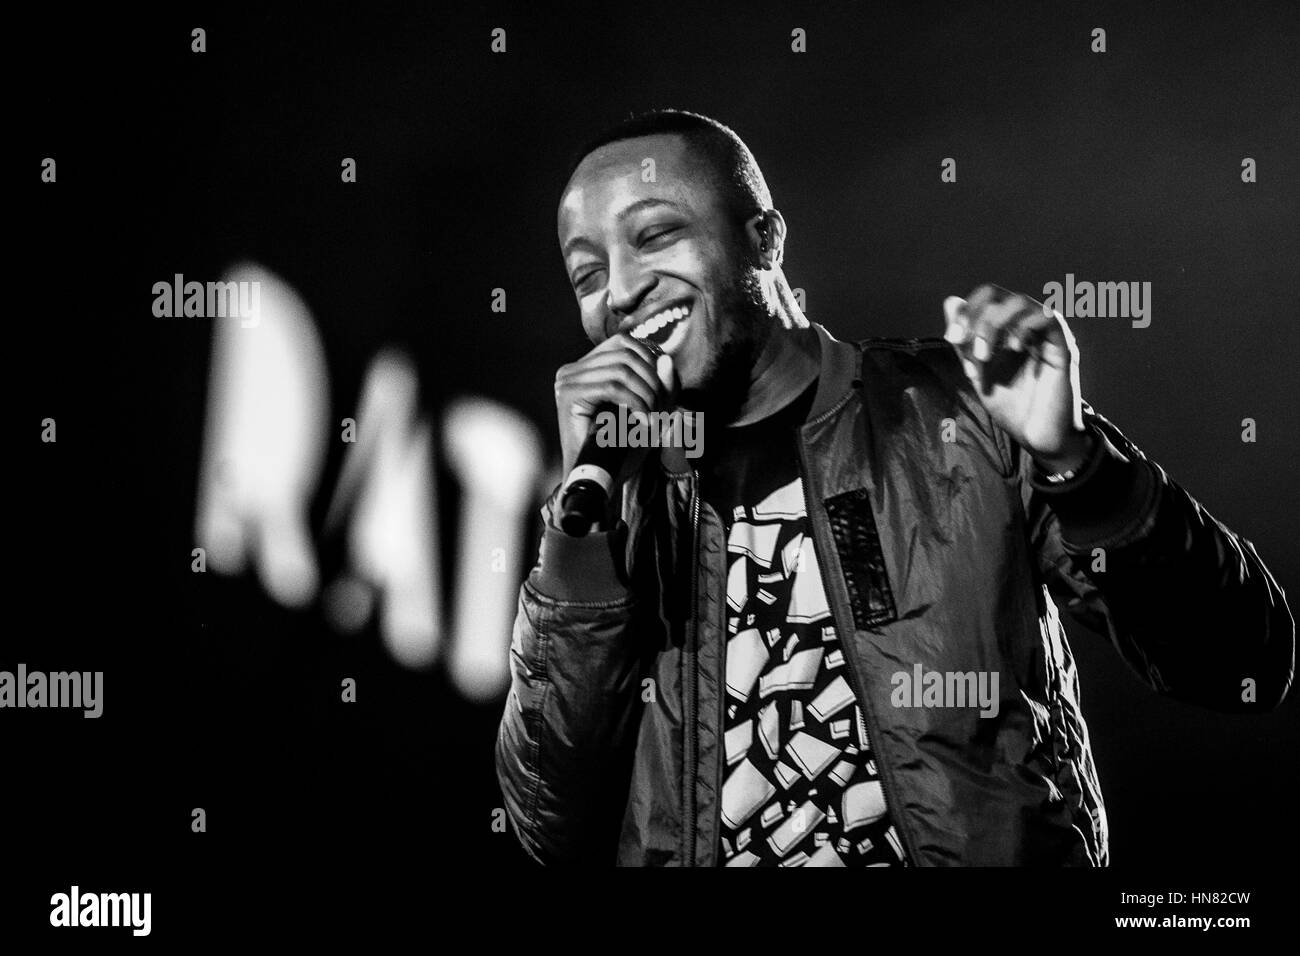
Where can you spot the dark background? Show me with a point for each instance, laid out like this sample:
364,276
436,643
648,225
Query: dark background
1122,166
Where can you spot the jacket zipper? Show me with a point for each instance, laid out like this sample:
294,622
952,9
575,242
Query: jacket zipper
886,778
690,693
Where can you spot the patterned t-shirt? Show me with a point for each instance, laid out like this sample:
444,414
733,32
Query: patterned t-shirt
801,786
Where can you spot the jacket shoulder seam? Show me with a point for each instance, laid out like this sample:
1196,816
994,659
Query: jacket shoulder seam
938,352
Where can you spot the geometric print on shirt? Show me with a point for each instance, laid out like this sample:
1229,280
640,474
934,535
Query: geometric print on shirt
801,786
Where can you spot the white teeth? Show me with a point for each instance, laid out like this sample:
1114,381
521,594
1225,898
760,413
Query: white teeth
657,322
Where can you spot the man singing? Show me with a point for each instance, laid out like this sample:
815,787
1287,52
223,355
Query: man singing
833,639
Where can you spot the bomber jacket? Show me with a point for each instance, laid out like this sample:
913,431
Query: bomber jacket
939,543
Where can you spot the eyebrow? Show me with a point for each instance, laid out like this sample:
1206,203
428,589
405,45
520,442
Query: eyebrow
632,210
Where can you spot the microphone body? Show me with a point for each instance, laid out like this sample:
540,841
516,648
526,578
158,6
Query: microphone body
590,484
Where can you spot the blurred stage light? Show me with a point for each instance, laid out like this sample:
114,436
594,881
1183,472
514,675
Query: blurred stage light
496,455
264,442
262,457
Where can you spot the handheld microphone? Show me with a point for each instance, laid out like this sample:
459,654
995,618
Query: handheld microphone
589,485
591,482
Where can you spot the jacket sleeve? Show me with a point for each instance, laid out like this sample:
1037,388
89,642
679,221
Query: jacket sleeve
564,744
1188,603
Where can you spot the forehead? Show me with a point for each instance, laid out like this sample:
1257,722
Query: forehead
614,176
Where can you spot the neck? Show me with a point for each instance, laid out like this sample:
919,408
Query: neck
789,362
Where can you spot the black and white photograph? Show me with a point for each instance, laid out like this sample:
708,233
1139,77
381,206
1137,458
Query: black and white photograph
456,442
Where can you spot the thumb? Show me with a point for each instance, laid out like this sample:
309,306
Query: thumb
957,326
667,373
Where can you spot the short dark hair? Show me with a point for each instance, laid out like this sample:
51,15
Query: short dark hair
733,166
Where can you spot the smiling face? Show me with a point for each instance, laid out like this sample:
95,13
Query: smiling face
667,261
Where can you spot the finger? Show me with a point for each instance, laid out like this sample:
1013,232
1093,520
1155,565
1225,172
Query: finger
1047,337
1033,337
624,341
958,334
1011,332
618,359
646,356
667,373
990,328
956,327
588,402
632,377
971,311
982,297
590,387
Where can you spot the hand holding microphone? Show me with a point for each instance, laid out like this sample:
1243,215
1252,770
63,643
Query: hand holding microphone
619,371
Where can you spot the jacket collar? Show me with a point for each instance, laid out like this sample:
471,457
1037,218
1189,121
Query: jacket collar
841,370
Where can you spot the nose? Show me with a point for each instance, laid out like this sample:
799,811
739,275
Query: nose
628,285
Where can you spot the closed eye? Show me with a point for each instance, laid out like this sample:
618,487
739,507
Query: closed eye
584,280
651,235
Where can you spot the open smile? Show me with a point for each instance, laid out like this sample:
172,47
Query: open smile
666,328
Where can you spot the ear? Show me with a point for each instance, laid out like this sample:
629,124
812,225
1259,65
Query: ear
766,234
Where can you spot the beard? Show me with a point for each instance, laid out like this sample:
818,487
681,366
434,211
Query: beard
747,326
